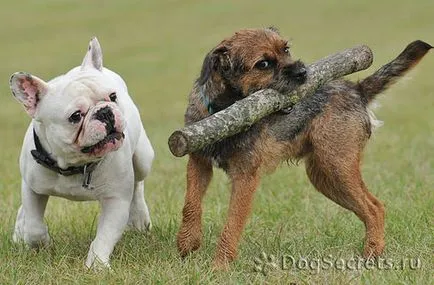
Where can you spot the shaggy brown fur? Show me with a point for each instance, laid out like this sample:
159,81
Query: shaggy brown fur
328,130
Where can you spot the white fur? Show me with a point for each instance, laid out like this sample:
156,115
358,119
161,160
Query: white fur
118,180
375,123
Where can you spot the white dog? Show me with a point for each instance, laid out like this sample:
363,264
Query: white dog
85,142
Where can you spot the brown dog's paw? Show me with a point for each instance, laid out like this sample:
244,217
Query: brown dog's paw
224,256
220,265
373,249
188,241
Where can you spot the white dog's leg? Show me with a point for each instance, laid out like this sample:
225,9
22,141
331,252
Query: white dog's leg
142,157
142,162
111,225
18,235
139,213
29,226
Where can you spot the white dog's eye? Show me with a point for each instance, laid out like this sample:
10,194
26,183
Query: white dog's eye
75,117
113,97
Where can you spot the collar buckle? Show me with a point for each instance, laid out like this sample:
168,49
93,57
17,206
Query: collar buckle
87,173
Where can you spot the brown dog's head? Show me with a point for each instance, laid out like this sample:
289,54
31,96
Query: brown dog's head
248,61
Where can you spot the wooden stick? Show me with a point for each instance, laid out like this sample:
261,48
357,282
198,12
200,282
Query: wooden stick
244,113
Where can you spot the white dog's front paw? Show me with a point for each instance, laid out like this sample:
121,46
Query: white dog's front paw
95,261
35,237
140,220
97,265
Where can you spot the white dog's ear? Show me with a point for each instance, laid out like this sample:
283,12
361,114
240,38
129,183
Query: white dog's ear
93,57
28,90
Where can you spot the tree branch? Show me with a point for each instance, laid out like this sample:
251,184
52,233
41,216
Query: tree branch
244,113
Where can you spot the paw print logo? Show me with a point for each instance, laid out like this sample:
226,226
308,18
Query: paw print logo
264,263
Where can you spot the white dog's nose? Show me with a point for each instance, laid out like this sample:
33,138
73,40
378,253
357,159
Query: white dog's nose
105,115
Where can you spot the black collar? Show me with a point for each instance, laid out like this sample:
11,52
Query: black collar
43,158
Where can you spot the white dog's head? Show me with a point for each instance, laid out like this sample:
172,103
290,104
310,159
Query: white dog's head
77,114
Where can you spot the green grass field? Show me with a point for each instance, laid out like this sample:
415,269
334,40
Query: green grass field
158,47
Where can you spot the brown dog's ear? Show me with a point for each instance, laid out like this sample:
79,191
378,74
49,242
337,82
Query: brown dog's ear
215,61
274,29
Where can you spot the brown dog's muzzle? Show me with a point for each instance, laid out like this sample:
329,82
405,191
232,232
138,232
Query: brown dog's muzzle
296,71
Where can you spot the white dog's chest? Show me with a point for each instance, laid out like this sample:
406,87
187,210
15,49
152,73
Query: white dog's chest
69,187
47,182
109,176
74,190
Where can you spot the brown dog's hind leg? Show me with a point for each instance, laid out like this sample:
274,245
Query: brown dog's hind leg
243,189
338,177
199,174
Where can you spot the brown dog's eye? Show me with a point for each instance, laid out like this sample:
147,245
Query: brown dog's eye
286,50
113,97
263,64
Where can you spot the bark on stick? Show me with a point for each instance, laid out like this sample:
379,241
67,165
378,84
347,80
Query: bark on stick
244,113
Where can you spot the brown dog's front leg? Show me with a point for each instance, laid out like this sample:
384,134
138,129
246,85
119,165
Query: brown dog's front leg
199,174
243,189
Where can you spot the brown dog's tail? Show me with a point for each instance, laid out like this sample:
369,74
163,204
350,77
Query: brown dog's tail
389,73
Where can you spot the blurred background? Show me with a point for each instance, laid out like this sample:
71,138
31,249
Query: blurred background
158,48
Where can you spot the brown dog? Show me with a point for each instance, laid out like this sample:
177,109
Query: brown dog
328,130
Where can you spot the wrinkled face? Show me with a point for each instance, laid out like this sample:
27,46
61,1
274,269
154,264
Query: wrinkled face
78,116
252,60
83,117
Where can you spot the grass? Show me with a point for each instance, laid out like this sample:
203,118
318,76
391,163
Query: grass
158,47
